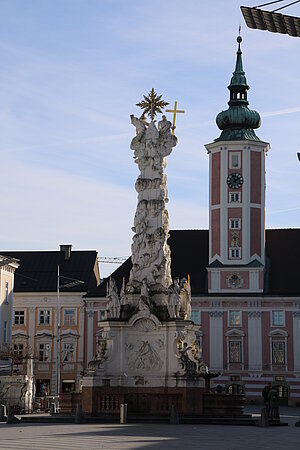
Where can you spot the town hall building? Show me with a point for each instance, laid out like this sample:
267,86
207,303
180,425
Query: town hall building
245,286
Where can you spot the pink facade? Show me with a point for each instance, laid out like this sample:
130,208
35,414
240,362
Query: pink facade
255,177
253,348
215,223
216,169
255,231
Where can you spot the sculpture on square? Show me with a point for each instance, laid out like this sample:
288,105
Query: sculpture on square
113,301
185,298
150,252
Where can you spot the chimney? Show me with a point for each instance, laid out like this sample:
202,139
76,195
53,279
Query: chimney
67,248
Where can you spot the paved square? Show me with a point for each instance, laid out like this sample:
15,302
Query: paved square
152,436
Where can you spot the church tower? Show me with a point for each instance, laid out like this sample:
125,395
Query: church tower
237,195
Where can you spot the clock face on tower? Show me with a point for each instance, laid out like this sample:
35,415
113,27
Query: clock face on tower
235,180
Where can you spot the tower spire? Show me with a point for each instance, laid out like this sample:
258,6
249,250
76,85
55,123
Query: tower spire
238,122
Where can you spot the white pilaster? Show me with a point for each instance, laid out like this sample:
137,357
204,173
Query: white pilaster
254,341
90,335
296,339
216,340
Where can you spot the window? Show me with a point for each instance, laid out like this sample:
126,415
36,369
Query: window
195,316
44,352
19,317
68,355
235,389
277,318
69,317
5,332
234,224
235,161
18,349
235,354
235,378
234,197
6,292
235,318
44,317
278,352
235,253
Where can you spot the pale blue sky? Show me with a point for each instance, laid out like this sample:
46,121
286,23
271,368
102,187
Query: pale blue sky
71,72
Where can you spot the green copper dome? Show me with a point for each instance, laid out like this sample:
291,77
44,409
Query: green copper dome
238,121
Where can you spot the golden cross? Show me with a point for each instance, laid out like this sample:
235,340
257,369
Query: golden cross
175,111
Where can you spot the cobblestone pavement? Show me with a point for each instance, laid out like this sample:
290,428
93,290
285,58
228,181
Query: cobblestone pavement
152,436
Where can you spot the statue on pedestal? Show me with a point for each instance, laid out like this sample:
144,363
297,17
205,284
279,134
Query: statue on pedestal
185,298
150,252
174,299
113,303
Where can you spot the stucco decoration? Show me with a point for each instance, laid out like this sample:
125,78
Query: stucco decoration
151,257
145,325
234,280
144,354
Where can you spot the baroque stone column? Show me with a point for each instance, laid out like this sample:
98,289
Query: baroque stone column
151,257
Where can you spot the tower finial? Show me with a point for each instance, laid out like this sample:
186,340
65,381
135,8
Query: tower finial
238,121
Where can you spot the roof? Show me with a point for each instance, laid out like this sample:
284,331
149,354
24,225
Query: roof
189,253
38,270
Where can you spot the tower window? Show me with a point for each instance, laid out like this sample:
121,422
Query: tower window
6,293
234,253
234,224
234,197
234,160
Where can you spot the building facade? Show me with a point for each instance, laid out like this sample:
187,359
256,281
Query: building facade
48,317
8,267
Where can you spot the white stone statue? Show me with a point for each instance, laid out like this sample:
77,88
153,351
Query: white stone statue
144,302
174,299
164,126
151,256
138,123
113,304
185,298
123,295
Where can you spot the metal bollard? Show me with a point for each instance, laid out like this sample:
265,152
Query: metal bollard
123,413
52,408
3,413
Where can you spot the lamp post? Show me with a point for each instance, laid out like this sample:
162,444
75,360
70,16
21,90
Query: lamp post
57,390
272,21
70,282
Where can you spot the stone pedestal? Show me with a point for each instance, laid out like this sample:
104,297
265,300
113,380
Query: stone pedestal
147,364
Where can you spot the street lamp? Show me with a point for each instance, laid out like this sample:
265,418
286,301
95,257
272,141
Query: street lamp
272,20
69,283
